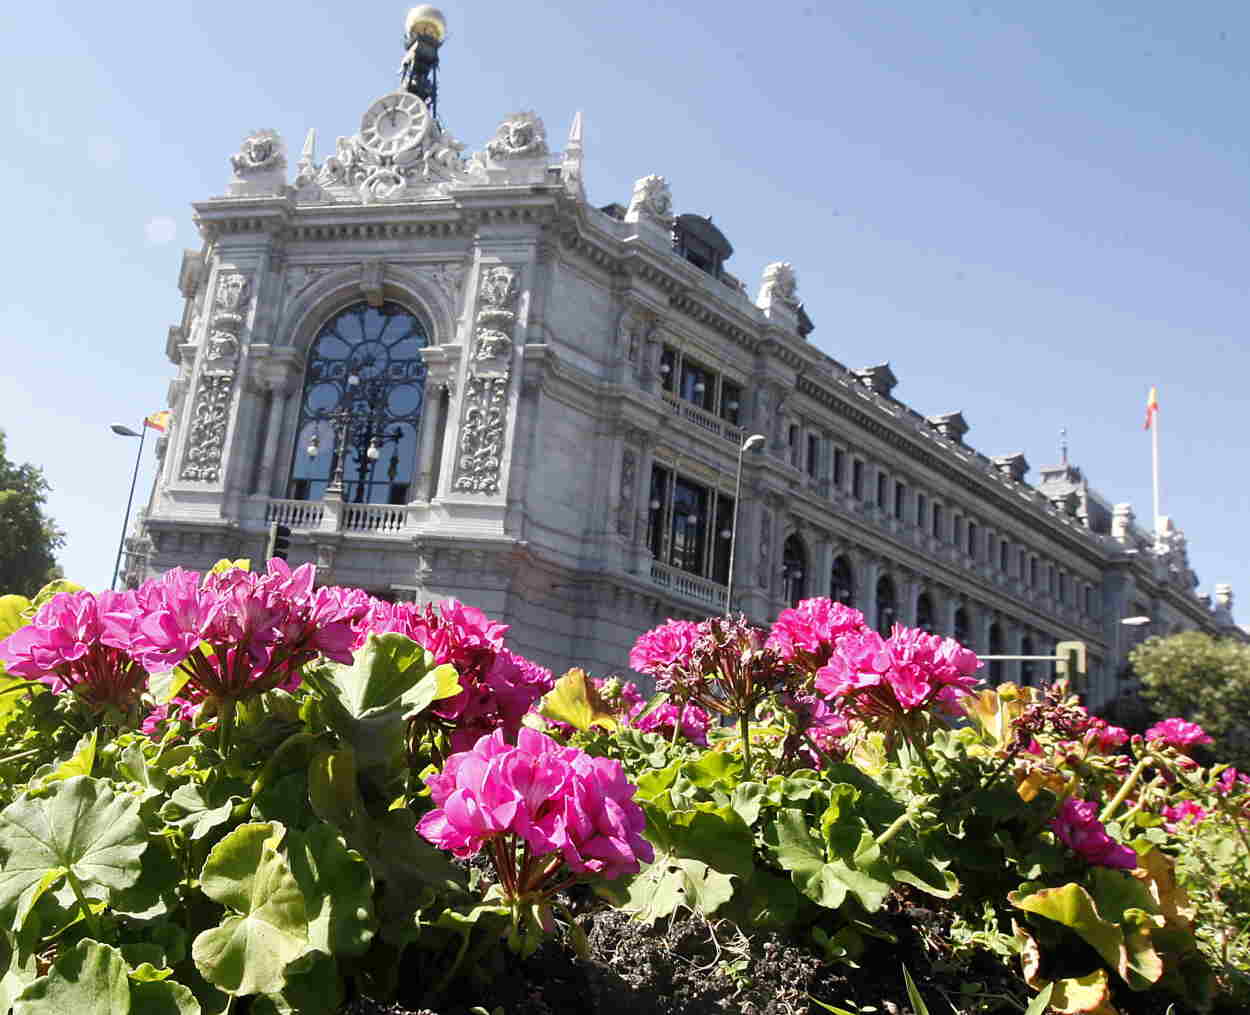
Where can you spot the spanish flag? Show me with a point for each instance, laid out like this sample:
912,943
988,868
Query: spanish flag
1152,406
159,420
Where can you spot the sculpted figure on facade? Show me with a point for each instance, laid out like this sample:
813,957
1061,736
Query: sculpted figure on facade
766,544
491,345
521,135
779,285
625,504
261,151
652,200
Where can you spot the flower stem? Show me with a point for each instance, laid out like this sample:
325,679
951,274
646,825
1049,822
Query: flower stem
225,725
1129,784
87,915
920,751
744,727
896,826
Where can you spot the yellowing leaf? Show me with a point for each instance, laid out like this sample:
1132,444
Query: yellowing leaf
226,564
576,701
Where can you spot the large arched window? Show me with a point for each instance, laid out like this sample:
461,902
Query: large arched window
887,606
842,583
924,613
794,570
364,393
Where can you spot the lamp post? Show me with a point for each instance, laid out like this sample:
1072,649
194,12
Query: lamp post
754,441
125,431
363,432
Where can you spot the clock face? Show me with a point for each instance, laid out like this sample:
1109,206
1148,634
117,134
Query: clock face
395,123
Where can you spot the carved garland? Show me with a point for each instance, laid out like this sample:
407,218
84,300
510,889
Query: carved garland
210,414
484,421
625,509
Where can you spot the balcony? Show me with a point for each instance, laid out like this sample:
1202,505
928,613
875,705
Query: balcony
682,583
367,519
296,514
710,423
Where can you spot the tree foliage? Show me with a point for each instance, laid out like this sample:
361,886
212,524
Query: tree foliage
1205,679
28,538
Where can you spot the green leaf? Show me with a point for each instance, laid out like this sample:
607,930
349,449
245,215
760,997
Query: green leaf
824,881
88,979
383,670
268,927
576,701
82,828
52,590
670,882
913,995
13,610
162,997
1041,1002
80,763
747,799
165,687
187,809
338,890
715,767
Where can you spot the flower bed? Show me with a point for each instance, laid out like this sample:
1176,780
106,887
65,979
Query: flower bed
240,792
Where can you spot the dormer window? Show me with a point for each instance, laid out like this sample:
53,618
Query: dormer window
701,243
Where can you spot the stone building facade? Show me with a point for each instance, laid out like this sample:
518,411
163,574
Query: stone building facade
453,376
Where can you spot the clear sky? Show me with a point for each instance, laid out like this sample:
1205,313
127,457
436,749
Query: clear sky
1033,211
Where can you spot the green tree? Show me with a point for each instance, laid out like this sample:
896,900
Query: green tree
28,539
1203,679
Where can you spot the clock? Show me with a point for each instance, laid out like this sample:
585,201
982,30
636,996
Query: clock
394,124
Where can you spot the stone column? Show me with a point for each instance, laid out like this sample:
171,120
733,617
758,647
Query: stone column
909,588
867,573
946,607
820,565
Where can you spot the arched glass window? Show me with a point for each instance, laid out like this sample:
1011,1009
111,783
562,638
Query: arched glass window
794,570
996,649
924,613
364,391
842,583
963,628
1028,667
887,606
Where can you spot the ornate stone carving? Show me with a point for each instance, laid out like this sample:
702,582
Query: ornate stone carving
652,200
207,437
490,344
498,289
356,171
625,507
262,150
482,434
233,293
521,135
779,285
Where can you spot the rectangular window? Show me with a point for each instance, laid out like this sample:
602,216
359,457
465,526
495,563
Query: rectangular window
698,384
922,506
937,521
900,499
668,368
857,479
839,467
689,526
1003,555
972,540
793,440
730,402
813,454
724,531
880,489
991,548
657,511
958,534
1032,570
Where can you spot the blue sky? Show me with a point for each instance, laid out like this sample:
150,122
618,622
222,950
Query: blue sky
1033,211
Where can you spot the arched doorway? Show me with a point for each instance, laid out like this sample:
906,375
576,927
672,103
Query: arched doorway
924,613
963,627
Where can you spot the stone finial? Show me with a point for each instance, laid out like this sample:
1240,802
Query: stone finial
779,286
1065,502
1014,465
571,167
652,201
950,425
259,165
1224,596
879,379
1122,519
521,135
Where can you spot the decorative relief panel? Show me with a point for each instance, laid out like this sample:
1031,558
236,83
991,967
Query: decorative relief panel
210,411
625,505
766,548
484,420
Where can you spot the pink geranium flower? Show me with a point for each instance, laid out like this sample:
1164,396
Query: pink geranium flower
806,634
84,644
1078,828
665,647
882,680
1178,733
1230,779
558,800
1103,737
1175,815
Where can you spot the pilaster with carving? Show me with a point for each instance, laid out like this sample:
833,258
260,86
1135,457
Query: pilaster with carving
484,410
210,410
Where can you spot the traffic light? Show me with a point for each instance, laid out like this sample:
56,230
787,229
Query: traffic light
279,541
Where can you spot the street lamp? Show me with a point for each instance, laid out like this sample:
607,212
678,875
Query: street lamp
754,441
358,424
125,431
